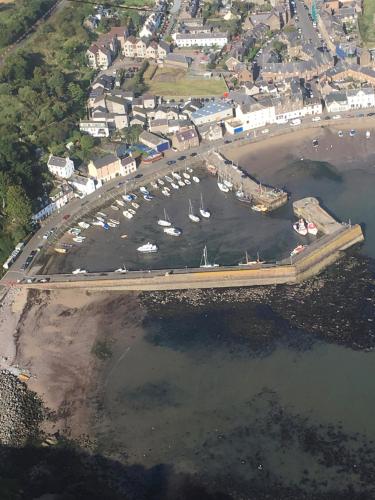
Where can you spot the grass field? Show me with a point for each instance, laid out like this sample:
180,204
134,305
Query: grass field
366,23
174,82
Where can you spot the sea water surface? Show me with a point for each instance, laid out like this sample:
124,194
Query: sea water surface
191,393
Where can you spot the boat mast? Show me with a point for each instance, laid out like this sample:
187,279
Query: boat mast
205,255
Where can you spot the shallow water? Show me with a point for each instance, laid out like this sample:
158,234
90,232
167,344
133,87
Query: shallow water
191,390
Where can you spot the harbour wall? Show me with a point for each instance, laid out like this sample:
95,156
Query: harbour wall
312,261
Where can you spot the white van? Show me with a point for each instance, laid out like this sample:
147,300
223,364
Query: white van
295,122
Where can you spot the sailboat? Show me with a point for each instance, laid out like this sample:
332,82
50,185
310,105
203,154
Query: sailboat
204,260
222,186
204,213
165,222
192,217
251,262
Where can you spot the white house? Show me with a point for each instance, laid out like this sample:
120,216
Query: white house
56,201
84,185
96,129
60,167
361,98
201,39
128,166
251,114
336,102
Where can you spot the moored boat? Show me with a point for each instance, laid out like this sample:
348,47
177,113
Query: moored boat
187,182
83,225
173,231
312,228
165,192
168,179
176,176
297,250
127,214
148,248
204,213
60,250
160,182
120,202
165,222
204,260
135,205
192,217
114,207
251,262
187,176
196,179
148,197
175,186
143,190
300,227
259,208
181,183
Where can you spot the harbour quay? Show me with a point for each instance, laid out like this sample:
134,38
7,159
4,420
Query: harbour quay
310,209
263,198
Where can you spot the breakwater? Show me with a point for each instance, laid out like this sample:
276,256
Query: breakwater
315,257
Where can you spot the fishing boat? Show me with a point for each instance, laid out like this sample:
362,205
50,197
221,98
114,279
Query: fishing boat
135,205
204,260
168,179
60,250
127,214
187,182
114,207
132,211
196,179
251,262
300,227
160,182
143,190
192,217
165,192
101,214
173,231
175,186
148,248
204,213
259,208
148,197
79,271
165,222
123,236
181,183
187,176
176,176
297,250
311,228
120,202
121,270
83,225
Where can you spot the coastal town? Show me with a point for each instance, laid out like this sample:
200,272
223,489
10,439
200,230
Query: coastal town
193,78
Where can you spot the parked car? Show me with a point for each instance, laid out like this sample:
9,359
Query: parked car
171,162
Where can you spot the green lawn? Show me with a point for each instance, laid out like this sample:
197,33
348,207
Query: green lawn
366,23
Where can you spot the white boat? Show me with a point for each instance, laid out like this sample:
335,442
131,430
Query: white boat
165,192
168,179
223,187
228,183
101,214
79,271
251,262
259,208
181,183
173,231
175,186
83,225
297,250
79,239
127,214
187,176
132,211
123,236
196,179
114,221
74,230
204,260
165,222
190,170
114,207
311,228
100,218
148,248
127,197
111,224
300,227
368,134
155,185
160,182
135,205
147,197
176,176
97,223
120,202
187,182
192,217
143,190
240,195
204,213
166,188
121,270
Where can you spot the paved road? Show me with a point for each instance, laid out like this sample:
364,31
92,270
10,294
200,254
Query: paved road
305,23
110,189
